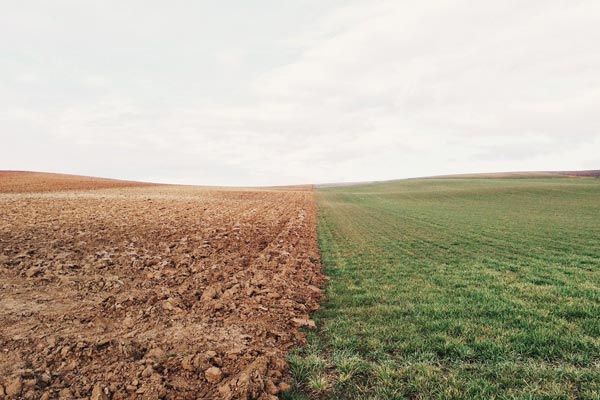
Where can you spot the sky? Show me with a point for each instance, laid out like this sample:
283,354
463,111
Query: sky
272,92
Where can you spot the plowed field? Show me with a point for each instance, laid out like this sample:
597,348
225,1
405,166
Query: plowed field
153,291
24,182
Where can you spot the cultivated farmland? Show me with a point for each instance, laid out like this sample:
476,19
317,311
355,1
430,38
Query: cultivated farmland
458,288
149,291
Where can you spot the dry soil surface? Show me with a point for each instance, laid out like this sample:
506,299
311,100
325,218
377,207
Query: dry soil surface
153,291
25,181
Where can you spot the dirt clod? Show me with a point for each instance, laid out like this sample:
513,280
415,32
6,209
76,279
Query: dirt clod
303,322
284,387
65,394
98,393
213,375
147,372
14,386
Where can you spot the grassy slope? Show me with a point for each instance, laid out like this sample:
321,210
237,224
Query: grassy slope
458,288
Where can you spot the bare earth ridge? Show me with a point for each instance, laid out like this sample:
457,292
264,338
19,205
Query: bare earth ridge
25,181
150,291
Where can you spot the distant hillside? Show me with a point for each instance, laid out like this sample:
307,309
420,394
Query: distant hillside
26,182
524,174
518,174
588,173
342,184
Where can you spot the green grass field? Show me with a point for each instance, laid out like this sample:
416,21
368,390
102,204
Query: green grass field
457,288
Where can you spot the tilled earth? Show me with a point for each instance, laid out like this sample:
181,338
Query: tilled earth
154,292
24,181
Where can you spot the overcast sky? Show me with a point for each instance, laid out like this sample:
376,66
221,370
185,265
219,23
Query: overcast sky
299,91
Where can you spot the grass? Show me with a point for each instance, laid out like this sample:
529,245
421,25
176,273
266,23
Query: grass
457,288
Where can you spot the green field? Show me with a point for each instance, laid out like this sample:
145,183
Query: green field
457,288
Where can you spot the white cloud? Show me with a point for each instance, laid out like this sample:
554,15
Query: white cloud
287,93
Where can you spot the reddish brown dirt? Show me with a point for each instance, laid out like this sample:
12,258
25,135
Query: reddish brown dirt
154,292
24,181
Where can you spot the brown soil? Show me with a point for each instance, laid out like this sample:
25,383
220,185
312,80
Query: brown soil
154,292
24,181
